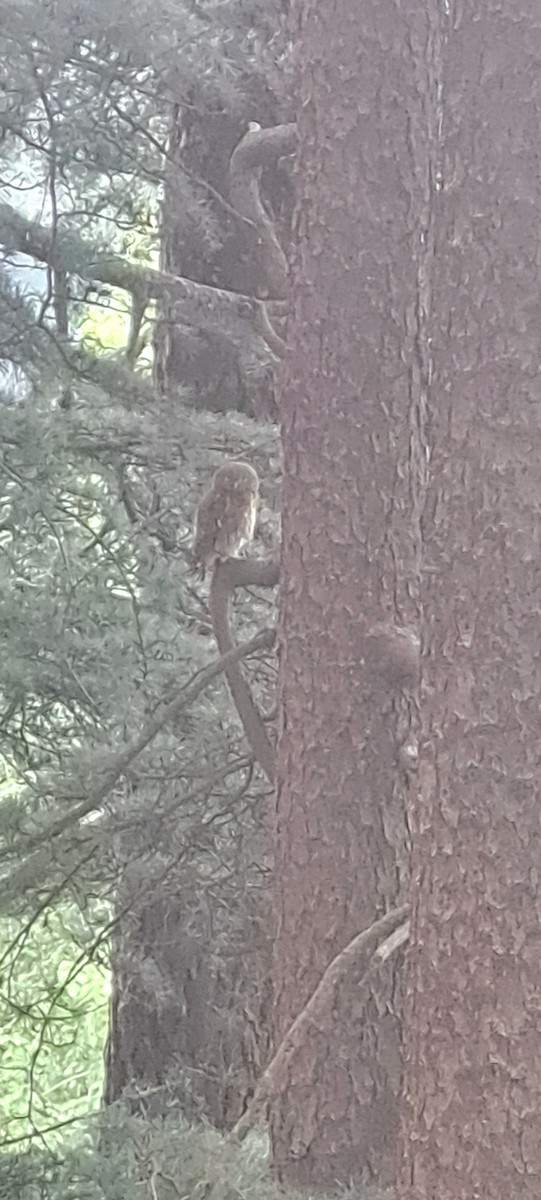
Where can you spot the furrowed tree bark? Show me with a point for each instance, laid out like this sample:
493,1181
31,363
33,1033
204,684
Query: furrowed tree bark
472,1115
360,955
351,386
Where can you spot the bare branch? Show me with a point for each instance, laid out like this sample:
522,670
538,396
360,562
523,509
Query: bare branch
261,148
226,577
251,572
265,327
393,943
364,951
196,304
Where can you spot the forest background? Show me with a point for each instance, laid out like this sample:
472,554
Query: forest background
230,230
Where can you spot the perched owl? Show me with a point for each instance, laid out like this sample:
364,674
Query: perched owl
226,515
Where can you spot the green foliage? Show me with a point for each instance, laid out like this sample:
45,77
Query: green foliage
121,1157
96,501
54,1015
101,618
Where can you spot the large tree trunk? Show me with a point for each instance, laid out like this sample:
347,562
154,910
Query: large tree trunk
472,1121
349,557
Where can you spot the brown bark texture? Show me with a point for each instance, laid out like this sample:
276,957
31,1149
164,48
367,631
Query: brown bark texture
472,1119
190,1005
350,547
202,140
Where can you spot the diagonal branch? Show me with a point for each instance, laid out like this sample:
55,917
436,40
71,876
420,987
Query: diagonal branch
119,762
364,951
196,304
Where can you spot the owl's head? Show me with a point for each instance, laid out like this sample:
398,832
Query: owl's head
237,474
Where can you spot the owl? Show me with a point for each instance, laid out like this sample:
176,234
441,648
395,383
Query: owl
226,515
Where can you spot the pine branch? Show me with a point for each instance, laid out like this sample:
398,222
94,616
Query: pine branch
120,762
196,304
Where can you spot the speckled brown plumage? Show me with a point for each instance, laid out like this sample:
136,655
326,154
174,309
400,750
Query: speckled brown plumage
226,516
